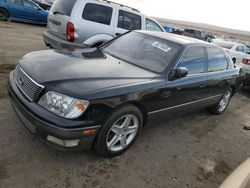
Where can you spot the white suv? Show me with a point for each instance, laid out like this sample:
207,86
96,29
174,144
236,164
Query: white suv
88,23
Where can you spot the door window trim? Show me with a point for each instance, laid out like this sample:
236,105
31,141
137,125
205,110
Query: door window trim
224,57
205,58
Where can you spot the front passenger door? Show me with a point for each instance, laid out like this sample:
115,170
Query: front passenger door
185,94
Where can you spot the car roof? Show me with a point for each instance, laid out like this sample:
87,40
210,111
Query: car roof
183,40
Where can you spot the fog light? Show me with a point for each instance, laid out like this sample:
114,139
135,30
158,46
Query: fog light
71,143
65,143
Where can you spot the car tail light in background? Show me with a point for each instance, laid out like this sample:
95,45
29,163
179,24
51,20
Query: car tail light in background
70,32
246,61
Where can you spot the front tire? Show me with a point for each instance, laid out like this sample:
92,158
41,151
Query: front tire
223,103
119,132
4,15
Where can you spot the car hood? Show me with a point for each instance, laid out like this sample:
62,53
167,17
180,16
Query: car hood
77,75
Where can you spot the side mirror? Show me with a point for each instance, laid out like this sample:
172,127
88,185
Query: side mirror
248,52
178,73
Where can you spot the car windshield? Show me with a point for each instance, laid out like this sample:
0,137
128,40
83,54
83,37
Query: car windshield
225,44
146,51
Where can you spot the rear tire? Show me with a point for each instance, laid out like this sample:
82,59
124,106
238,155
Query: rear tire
223,103
119,131
4,15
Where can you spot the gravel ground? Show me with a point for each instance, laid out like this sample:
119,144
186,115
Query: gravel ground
195,150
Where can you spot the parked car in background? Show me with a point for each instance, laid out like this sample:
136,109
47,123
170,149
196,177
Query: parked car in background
209,37
240,177
239,53
102,97
44,5
23,11
88,23
194,34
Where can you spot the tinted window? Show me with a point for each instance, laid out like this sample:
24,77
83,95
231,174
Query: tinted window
29,4
63,6
190,31
97,13
216,60
240,49
246,50
152,26
143,50
14,1
193,59
129,21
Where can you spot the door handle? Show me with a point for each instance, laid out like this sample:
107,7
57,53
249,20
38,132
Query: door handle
117,34
202,85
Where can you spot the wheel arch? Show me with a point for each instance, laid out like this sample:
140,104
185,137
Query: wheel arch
140,106
3,8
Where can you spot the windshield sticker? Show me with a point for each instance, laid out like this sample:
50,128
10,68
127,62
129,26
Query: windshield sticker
161,46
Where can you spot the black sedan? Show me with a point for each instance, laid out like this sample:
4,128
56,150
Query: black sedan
102,97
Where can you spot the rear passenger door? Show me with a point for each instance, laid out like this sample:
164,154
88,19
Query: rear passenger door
219,75
127,21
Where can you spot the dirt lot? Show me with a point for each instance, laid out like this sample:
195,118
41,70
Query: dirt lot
197,150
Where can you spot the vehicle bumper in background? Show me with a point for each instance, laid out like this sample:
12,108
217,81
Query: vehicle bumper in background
54,135
58,43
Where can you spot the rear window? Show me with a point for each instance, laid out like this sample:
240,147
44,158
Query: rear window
63,7
97,13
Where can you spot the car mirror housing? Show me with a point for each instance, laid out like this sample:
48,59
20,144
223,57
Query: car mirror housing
178,73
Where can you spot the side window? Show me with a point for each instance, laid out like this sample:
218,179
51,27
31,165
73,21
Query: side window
239,48
246,50
152,26
129,21
28,4
97,13
193,59
18,2
216,60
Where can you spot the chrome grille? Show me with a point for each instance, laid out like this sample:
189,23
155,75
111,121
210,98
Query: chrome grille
30,88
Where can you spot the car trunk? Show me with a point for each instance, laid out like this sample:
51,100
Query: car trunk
59,17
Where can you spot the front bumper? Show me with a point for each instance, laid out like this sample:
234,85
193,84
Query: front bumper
58,43
44,129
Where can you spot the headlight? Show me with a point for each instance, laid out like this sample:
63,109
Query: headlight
63,105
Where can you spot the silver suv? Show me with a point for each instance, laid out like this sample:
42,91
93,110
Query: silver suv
90,23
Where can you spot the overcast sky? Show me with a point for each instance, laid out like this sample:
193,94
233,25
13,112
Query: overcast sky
233,14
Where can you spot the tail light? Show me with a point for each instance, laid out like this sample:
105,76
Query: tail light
246,61
70,32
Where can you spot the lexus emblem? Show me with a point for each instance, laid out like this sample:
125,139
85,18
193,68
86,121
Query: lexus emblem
21,81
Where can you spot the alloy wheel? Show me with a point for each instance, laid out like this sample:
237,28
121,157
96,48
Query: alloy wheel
122,133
